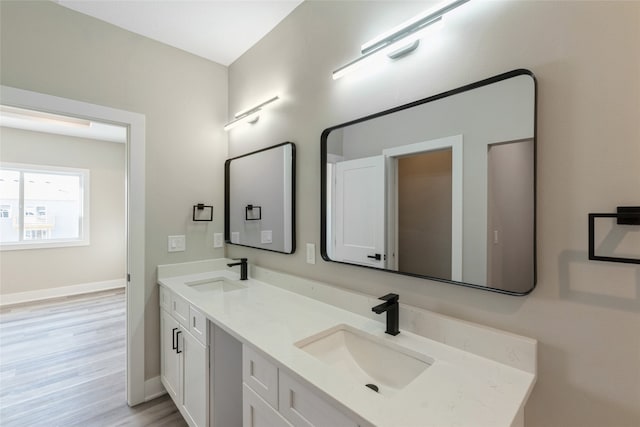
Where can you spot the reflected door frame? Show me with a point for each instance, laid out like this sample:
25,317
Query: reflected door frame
392,155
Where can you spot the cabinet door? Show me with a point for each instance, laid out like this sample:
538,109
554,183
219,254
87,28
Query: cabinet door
258,413
169,358
195,379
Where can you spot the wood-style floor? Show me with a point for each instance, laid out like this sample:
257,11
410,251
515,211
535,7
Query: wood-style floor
62,363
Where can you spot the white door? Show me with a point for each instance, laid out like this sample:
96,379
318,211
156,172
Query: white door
169,359
359,211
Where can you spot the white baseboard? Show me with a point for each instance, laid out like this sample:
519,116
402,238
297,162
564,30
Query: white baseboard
153,388
64,291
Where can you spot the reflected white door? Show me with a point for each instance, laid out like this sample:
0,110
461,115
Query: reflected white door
359,211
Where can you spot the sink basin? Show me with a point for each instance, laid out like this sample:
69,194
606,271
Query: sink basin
372,361
217,284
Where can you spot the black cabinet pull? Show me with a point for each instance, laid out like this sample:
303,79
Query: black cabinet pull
178,342
173,339
377,257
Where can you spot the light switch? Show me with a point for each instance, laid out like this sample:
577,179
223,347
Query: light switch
266,236
177,243
218,240
311,253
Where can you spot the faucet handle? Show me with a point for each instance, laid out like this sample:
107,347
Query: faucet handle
240,259
390,297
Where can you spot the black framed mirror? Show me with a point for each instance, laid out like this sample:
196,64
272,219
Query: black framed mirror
260,199
442,188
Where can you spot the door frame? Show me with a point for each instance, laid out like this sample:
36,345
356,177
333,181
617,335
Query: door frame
135,213
453,142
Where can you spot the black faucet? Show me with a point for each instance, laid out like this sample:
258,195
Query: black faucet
391,306
243,267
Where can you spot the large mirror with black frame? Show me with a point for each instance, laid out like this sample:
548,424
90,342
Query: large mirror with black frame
259,199
442,188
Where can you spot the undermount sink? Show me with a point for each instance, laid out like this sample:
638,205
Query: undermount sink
379,364
217,284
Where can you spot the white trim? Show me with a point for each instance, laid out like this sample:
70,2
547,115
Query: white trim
153,388
455,143
135,123
63,291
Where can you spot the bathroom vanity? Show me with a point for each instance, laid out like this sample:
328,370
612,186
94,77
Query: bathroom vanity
281,350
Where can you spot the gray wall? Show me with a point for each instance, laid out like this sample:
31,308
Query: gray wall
50,49
104,258
588,161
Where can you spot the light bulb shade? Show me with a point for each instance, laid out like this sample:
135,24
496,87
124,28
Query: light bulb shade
403,37
250,115
248,118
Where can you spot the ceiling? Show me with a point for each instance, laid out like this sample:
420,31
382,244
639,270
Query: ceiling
218,30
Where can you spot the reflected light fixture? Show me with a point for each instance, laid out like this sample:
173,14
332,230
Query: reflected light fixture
400,40
250,115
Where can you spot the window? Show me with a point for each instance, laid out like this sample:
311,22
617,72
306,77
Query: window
5,211
43,206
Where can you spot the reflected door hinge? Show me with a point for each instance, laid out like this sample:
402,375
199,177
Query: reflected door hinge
128,277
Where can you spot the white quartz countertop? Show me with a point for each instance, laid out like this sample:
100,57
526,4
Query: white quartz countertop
458,389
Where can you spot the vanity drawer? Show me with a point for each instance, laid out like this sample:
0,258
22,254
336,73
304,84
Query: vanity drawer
180,310
198,325
261,375
165,298
302,408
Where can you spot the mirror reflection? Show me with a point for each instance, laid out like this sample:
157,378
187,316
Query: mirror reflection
442,188
259,199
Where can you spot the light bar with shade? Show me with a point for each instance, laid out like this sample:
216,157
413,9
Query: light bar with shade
250,115
400,40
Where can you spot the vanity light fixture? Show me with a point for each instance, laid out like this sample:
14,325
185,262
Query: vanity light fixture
250,115
400,40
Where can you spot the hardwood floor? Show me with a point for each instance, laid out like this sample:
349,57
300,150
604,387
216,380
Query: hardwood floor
62,363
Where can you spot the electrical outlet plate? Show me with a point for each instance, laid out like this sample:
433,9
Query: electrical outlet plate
176,243
266,236
218,240
311,253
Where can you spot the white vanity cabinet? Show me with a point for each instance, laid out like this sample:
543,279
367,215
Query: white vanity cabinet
271,397
185,358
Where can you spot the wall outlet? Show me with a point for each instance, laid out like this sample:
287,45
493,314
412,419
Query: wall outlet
218,240
235,237
266,236
311,253
177,243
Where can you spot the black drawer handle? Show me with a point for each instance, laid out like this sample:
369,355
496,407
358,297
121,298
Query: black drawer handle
178,342
173,339
377,257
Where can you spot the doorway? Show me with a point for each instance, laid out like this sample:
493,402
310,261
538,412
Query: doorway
135,214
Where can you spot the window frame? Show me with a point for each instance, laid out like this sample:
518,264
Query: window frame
84,226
